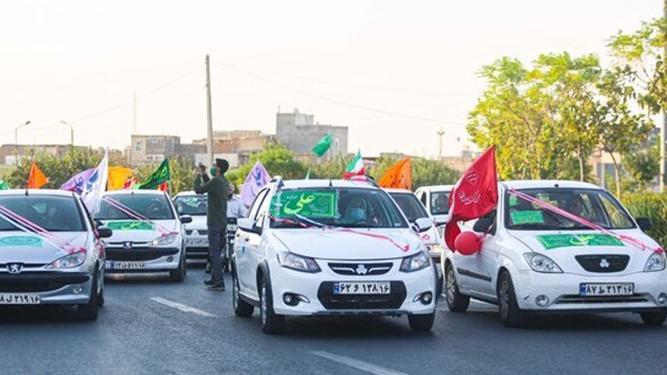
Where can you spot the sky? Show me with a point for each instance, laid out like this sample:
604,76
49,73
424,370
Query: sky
395,72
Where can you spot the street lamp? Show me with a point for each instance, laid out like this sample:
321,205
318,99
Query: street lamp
71,132
16,141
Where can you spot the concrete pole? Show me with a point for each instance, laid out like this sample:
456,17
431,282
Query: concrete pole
440,133
663,127
209,113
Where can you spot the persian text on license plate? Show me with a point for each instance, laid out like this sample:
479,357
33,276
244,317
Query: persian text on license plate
19,299
196,242
606,289
376,287
125,265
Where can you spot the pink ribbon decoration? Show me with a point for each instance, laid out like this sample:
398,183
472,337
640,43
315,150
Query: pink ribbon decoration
137,216
621,237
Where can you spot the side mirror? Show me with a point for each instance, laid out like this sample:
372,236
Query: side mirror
104,232
644,223
185,219
423,224
484,225
248,225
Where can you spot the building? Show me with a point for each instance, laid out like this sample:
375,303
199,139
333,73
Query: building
149,149
241,143
299,132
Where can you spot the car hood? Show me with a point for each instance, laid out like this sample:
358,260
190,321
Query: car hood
563,246
198,222
138,231
350,245
21,247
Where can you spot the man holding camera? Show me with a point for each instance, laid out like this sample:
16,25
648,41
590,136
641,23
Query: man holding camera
217,189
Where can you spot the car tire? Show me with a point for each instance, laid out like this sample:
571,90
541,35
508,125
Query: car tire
178,275
271,322
508,309
89,311
654,318
421,322
241,308
456,302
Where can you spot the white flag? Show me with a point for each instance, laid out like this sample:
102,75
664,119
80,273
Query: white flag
96,184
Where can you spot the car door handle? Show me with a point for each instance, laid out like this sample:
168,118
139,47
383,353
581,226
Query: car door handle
238,235
247,239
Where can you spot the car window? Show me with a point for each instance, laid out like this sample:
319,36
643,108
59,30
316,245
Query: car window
617,217
410,205
341,207
439,203
53,213
422,198
153,207
193,205
259,198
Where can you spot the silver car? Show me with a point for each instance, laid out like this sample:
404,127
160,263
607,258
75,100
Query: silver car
50,251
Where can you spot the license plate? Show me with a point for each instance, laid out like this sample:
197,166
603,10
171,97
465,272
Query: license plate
196,242
377,287
19,299
125,265
231,227
606,289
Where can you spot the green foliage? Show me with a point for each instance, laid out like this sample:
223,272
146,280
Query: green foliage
424,172
278,161
652,206
57,169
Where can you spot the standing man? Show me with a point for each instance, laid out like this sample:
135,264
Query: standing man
216,217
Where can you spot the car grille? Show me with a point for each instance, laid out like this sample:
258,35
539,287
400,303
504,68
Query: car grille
203,232
138,254
188,231
361,269
576,299
32,282
361,302
603,263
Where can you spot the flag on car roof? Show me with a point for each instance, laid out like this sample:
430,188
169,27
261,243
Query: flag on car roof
254,181
323,145
474,195
37,178
96,184
160,175
117,177
398,175
355,167
76,182
4,185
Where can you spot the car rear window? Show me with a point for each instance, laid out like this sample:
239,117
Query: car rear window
153,207
53,213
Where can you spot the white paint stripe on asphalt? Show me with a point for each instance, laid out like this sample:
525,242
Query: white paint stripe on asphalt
182,307
357,364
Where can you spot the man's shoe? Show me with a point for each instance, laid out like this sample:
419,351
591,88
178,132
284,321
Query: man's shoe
209,282
217,286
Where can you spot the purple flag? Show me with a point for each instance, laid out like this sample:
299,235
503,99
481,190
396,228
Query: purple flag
256,179
78,181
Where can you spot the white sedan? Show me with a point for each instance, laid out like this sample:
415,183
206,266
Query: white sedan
535,260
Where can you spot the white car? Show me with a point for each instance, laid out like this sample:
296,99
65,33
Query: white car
62,266
196,233
534,260
329,247
148,234
436,200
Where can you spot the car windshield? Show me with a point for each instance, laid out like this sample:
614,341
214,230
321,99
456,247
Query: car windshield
439,203
596,206
412,208
153,207
193,205
342,207
53,213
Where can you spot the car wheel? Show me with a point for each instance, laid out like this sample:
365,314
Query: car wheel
508,309
421,322
241,307
655,318
456,302
178,275
89,311
271,322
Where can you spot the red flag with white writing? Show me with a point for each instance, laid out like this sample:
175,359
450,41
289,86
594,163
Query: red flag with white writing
475,194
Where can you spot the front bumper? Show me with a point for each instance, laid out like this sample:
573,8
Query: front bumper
50,287
148,259
563,292
318,293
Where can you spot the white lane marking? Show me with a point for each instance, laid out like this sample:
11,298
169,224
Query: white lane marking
182,307
357,364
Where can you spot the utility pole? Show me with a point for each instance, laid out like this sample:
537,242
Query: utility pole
663,127
440,133
209,112
71,132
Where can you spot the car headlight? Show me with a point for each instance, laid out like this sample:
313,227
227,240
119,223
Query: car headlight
68,261
415,262
541,263
164,240
298,262
655,262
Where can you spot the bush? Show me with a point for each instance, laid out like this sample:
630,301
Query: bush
652,206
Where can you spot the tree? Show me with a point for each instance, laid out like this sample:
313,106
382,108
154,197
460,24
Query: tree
278,161
424,171
57,169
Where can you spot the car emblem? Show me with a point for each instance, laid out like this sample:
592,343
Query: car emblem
14,268
361,270
127,245
604,263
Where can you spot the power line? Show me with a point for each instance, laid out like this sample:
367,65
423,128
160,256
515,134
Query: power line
334,100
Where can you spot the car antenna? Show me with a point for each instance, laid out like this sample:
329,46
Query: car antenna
330,183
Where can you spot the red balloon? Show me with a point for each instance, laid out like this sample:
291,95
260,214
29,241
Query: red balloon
468,243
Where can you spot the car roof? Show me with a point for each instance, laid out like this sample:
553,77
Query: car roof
397,191
303,184
437,188
528,184
187,193
37,192
137,192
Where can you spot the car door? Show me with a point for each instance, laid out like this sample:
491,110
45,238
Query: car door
476,271
256,252
243,248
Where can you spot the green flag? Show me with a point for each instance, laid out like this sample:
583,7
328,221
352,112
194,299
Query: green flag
4,185
158,177
323,145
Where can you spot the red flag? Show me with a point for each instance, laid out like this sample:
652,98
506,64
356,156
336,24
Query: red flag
475,194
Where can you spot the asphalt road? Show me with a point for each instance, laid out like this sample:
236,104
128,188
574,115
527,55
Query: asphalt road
151,326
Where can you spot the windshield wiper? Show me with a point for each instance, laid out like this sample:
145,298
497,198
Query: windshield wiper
306,220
